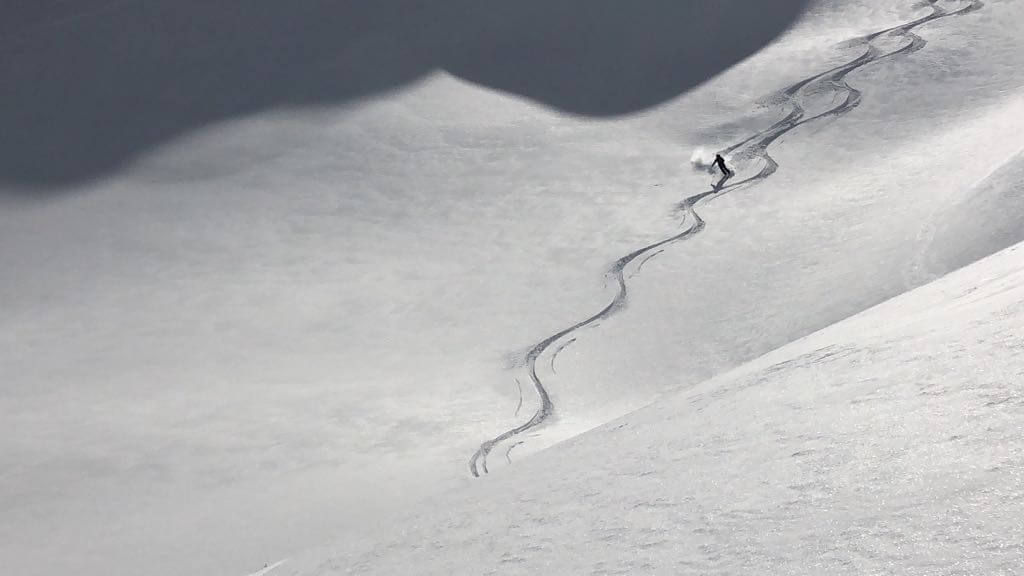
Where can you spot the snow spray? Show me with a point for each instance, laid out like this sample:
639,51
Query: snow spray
703,160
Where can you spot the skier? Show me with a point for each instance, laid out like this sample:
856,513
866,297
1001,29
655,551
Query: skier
720,162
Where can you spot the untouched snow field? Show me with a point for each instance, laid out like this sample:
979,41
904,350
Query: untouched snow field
303,322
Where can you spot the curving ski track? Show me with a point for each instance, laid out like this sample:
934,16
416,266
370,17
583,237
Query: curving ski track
519,387
748,151
554,355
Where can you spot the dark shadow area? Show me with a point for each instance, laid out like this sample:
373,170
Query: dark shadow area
88,84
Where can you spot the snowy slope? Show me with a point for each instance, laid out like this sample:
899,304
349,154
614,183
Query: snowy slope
300,322
848,220
889,443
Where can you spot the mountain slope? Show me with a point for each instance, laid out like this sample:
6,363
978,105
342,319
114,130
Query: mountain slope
304,321
891,442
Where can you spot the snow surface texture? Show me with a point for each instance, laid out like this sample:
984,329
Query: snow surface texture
302,322
889,443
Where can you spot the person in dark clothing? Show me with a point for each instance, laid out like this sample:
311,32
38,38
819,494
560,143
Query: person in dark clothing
720,162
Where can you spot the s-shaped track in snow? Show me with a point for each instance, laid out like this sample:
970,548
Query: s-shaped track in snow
749,151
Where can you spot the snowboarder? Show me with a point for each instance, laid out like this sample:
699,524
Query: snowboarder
720,162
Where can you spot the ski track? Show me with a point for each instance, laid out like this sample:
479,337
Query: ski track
554,355
640,266
748,151
508,452
519,387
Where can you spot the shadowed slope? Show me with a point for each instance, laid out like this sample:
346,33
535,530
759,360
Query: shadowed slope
89,85
986,221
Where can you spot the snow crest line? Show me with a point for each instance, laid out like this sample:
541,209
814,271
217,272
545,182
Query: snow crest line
750,151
